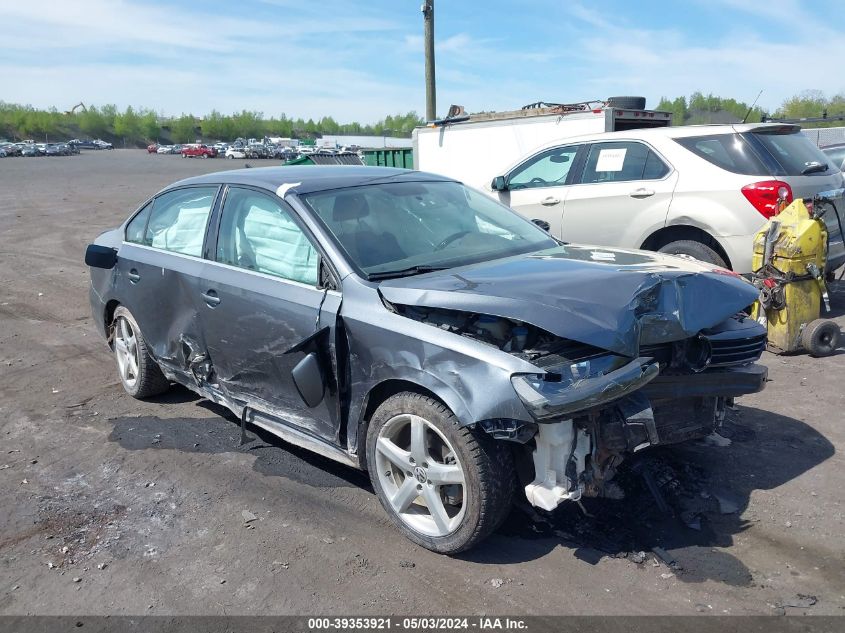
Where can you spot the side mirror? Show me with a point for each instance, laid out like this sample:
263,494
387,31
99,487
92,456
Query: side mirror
100,256
542,224
499,184
308,380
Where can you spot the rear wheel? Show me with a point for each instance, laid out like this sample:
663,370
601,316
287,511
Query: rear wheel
694,249
139,373
444,486
820,337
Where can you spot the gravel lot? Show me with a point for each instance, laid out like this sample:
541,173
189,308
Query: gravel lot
115,506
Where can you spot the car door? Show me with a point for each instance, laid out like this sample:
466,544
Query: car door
537,188
621,196
260,300
158,270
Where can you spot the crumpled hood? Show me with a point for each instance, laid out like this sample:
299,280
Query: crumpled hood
608,298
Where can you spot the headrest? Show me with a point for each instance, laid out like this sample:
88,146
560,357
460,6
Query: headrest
350,206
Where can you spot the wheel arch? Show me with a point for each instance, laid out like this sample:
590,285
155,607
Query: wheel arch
390,387
108,317
669,234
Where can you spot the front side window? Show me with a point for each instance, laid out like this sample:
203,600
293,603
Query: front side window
178,220
622,161
394,228
547,169
137,226
257,233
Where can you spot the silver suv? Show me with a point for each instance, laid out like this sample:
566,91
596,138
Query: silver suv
702,190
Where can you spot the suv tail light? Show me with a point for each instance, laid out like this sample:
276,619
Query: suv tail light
765,195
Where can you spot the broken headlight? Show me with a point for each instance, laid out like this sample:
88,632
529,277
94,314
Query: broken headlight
582,384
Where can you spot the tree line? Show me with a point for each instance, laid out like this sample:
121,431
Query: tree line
698,109
139,126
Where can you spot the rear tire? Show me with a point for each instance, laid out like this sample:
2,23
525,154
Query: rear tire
139,374
699,251
820,337
419,458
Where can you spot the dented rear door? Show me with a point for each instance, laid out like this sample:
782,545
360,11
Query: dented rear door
158,269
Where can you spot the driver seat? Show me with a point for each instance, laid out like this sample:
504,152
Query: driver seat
369,247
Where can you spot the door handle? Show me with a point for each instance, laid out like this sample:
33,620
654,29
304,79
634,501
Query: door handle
642,192
211,299
133,275
550,201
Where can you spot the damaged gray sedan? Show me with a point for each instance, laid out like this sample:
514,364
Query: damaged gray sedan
402,323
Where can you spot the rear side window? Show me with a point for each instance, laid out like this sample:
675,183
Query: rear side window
729,151
178,220
622,161
793,151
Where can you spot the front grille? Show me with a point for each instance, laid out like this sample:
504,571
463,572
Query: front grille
728,350
738,341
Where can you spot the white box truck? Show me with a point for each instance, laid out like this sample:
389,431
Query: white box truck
476,148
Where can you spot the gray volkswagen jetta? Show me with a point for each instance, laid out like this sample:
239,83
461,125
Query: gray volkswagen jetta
402,323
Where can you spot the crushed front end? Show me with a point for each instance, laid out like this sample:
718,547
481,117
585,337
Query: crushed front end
594,409
591,407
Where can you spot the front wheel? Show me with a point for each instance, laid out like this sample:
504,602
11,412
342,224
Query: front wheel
694,249
444,486
139,373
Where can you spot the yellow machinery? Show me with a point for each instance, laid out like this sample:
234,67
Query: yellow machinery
789,259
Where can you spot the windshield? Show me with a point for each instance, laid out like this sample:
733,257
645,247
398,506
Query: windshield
406,227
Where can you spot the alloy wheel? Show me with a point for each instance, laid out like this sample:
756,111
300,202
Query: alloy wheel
126,351
421,475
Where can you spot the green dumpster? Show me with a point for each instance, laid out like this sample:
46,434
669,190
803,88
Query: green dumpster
389,157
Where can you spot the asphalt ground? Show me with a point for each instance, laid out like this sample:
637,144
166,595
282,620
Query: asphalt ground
110,505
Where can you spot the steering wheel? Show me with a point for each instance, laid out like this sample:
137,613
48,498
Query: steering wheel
451,238
537,181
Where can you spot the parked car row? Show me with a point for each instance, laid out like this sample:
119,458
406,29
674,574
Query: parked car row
37,149
91,144
238,149
30,148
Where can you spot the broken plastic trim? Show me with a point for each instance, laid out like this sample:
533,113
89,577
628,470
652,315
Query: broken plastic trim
581,386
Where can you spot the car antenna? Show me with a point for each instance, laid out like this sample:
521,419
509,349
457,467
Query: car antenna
751,107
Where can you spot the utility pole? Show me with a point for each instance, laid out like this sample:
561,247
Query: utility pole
430,93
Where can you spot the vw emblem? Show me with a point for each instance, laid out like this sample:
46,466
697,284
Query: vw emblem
420,475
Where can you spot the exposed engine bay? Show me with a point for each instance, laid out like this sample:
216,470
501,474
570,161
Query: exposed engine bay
592,407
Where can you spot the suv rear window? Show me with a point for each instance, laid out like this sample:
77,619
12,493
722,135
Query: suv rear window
728,151
792,150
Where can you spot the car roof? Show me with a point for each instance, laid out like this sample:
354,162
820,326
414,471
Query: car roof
670,132
310,178
681,131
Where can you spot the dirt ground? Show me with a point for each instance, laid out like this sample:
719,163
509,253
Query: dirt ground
109,505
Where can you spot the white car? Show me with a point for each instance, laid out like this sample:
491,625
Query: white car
163,149
700,190
236,152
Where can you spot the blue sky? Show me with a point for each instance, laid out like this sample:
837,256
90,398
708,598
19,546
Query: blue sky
363,60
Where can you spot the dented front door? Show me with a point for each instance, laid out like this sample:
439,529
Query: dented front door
259,300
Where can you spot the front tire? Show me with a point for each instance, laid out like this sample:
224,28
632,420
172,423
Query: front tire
139,374
444,486
699,251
